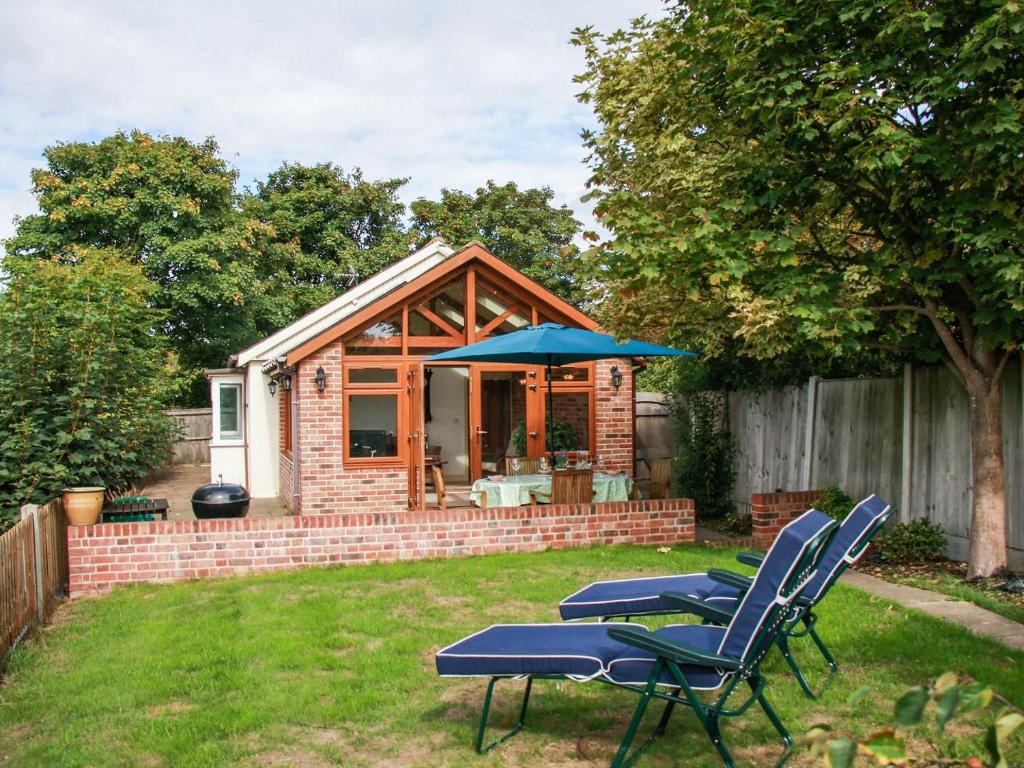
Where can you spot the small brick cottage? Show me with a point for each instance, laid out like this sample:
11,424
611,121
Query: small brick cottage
338,413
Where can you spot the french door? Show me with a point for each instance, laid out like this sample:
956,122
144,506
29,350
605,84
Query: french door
506,416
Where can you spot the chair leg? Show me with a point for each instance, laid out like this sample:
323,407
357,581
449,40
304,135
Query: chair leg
711,726
832,663
622,757
480,748
783,642
755,683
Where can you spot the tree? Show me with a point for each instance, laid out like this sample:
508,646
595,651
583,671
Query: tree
826,174
327,231
82,378
520,226
168,205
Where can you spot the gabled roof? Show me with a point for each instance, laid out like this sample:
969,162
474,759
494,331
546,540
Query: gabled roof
333,312
398,282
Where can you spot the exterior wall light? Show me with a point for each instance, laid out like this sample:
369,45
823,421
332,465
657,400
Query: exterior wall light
616,377
286,382
272,386
320,379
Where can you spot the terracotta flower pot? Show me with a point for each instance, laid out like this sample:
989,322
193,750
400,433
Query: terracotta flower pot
82,505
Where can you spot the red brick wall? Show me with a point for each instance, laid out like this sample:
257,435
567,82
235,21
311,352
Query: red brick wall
614,415
114,554
326,486
286,479
771,511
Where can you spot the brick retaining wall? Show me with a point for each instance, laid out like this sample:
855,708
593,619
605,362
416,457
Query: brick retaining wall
114,554
771,511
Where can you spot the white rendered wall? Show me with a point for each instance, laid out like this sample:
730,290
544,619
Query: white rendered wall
262,416
449,393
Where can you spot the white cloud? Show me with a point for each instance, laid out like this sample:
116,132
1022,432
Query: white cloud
448,93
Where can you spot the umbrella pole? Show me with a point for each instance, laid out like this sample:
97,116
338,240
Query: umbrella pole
549,436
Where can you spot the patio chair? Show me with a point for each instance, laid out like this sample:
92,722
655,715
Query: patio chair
644,596
570,486
671,664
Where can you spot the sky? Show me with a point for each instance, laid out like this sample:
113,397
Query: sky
448,93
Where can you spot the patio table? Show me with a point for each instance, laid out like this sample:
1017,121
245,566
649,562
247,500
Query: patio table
515,491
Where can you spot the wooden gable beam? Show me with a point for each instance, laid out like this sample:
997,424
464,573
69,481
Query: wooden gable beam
473,252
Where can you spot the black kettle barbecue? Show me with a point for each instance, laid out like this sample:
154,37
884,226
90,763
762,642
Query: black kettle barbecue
220,499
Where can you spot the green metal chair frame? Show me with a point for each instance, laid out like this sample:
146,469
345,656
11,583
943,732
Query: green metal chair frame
670,655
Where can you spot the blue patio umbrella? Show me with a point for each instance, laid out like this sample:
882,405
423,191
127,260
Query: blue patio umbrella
553,345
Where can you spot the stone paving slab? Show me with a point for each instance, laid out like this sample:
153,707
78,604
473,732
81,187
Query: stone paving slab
973,617
177,483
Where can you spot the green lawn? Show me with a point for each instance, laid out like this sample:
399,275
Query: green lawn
335,667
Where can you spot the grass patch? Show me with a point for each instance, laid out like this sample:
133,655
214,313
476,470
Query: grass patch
950,578
334,666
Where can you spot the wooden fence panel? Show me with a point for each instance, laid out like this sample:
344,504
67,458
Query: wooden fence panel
855,440
857,437
655,432
17,584
53,530
193,444
769,431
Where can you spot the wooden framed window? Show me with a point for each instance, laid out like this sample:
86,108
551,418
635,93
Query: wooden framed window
374,414
286,422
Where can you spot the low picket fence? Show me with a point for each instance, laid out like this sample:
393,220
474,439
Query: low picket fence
33,571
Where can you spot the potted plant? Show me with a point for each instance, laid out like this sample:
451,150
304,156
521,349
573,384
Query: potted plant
82,504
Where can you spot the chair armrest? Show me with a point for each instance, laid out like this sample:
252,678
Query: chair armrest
730,579
670,649
753,559
686,604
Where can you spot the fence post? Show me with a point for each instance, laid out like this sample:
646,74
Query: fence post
907,458
812,408
32,510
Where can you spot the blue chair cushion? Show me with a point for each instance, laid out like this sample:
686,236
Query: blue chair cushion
633,666
571,650
857,525
637,597
578,651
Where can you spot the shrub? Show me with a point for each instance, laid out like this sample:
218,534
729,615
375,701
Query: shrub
82,378
912,542
704,471
834,502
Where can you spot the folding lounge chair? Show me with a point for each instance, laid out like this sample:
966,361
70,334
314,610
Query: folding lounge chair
722,589
671,664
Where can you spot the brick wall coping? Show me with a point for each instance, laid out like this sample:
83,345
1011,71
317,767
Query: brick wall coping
114,554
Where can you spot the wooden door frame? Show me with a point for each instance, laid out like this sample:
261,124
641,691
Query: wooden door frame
534,410
415,425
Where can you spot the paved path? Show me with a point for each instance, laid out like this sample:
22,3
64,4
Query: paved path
969,615
176,484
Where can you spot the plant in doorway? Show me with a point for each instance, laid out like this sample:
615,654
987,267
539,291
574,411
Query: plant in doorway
563,438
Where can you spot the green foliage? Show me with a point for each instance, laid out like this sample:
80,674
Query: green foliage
834,502
951,695
776,173
520,226
167,205
704,470
82,380
562,438
912,542
815,176
327,230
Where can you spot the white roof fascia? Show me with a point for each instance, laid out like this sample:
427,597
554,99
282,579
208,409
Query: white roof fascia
316,322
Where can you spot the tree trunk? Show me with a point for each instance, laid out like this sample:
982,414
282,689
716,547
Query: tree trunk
988,513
